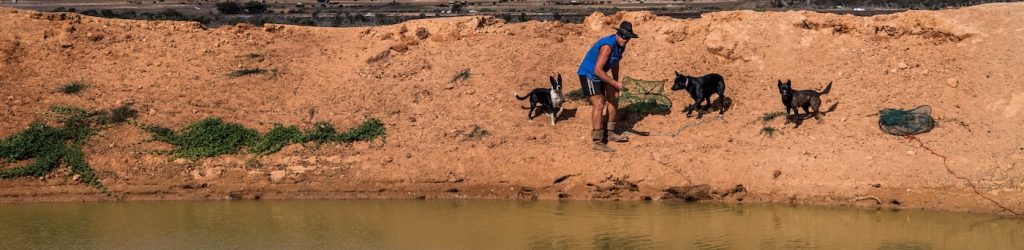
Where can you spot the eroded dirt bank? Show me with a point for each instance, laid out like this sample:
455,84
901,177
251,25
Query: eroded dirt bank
965,63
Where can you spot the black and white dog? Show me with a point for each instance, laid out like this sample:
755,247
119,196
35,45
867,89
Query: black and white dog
550,100
700,89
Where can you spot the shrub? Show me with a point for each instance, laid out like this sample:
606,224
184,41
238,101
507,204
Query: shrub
369,130
206,138
322,132
212,137
767,117
245,72
461,76
768,131
49,146
275,139
255,7
229,7
72,88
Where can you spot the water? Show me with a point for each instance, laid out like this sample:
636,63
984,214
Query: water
490,225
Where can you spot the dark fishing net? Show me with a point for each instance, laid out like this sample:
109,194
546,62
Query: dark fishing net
644,97
906,122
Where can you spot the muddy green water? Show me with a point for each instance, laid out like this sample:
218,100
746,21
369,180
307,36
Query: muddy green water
490,225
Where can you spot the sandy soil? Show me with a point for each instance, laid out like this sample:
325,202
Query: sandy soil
965,63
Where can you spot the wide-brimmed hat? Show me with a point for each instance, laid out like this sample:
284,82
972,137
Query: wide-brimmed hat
625,30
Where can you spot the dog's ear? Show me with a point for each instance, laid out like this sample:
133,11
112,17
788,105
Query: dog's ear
559,78
552,79
789,82
677,74
780,83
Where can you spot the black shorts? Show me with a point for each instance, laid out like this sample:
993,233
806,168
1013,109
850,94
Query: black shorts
590,87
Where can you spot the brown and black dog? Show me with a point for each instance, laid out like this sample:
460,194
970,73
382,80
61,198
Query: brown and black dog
804,99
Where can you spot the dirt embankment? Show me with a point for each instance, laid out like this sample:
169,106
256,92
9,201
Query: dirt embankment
965,63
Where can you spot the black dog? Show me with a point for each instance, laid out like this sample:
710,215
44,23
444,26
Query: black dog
550,100
804,99
700,89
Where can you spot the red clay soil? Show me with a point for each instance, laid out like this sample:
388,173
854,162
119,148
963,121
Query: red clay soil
965,63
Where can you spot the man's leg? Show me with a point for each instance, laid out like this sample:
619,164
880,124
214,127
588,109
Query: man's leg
597,103
614,132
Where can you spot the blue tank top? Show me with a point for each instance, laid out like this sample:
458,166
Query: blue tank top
587,66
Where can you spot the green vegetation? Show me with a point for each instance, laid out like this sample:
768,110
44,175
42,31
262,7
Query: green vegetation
275,139
212,137
205,138
251,7
768,131
50,146
245,72
72,88
461,76
767,117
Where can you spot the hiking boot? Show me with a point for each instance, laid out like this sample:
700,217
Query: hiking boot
599,143
615,134
603,147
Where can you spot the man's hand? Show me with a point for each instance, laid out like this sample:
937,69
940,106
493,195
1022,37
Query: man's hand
618,85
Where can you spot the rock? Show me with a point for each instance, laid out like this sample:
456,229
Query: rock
277,175
298,169
776,174
902,65
911,152
76,177
152,112
422,33
688,193
213,173
893,71
952,82
94,37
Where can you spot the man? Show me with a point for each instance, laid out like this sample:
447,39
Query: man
602,89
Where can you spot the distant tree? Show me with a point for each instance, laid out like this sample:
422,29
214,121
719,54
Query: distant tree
229,7
255,7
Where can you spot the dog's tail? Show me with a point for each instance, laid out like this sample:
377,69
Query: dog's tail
520,97
827,88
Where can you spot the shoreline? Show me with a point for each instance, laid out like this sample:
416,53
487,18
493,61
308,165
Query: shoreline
176,73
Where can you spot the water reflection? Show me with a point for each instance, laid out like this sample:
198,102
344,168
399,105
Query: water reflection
490,225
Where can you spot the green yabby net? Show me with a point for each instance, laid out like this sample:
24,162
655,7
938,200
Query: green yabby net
644,97
906,122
